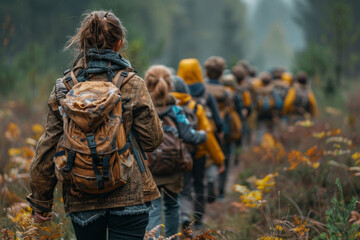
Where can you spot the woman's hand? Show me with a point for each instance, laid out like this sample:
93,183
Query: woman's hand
221,169
40,217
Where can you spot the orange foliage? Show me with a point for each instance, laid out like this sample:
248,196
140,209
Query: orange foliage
311,158
13,132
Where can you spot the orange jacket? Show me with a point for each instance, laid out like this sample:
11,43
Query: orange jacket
211,145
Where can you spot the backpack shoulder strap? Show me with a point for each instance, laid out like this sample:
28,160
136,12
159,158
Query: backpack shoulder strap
195,107
122,77
70,80
169,125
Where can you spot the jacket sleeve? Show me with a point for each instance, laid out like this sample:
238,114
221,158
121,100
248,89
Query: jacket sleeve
146,122
211,102
238,106
289,101
186,133
42,169
313,105
211,144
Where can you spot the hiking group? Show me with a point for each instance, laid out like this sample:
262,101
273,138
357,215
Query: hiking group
129,152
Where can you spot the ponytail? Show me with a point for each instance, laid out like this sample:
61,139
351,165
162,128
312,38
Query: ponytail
158,81
99,29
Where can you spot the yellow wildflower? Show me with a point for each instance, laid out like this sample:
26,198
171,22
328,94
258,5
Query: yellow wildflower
240,189
305,123
251,199
270,238
355,156
31,141
267,183
300,226
319,135
13,152
316,165
38,130
279,228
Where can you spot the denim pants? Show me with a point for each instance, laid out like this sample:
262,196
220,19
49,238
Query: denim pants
198,172
227,149
195,180
170,204
186,199
116,227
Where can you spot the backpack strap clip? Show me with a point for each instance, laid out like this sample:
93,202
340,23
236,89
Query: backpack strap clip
70,161
70,80
95,159
67,71
124,148
122,77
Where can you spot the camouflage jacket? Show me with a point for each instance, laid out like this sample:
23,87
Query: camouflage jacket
139,116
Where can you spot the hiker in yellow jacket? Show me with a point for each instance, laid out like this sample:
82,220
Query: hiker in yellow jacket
300,102
190,71
210,147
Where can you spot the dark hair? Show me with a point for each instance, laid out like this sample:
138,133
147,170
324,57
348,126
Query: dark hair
277,72
252,72
245,64
302,77
265,78
99,29
215,67
239,73
158,81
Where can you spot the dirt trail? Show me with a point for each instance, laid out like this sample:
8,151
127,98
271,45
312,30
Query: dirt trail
216,212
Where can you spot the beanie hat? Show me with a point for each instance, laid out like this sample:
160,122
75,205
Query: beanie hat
180,85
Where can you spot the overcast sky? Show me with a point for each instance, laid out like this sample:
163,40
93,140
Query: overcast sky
252,4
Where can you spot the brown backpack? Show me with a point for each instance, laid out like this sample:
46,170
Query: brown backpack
202,101
232,126
193,119
171,156
93,154
302,101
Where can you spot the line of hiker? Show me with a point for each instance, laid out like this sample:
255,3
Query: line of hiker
129,151
220,104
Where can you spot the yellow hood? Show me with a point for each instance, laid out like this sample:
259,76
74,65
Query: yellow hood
190,70
181,98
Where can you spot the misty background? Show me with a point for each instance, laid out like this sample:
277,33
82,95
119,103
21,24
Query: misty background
321,37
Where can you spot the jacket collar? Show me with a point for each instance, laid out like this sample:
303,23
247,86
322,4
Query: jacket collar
214,81
182,98
99,61
197,89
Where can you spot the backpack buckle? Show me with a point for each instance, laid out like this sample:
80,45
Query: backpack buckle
67,71
91,141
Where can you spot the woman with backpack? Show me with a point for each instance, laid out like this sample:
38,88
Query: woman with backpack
100,119
168,177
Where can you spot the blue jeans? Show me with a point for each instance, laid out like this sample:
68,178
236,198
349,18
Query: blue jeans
169,202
